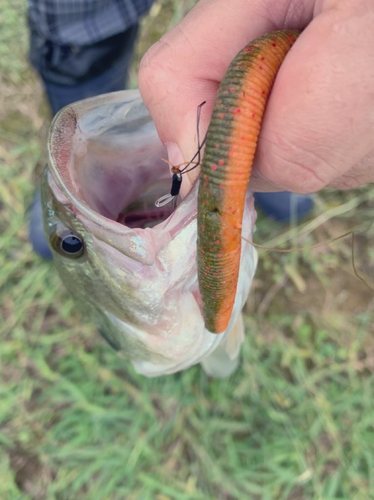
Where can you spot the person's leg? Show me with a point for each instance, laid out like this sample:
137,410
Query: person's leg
284,205
70,74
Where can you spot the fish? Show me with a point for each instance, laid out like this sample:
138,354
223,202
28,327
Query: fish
132,267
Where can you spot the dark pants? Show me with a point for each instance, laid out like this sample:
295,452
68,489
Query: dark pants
71,73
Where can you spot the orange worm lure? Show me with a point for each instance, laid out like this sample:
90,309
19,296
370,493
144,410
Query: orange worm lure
226,167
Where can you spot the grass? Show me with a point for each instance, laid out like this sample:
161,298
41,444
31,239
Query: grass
296,422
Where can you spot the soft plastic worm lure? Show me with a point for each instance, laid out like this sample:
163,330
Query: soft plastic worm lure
226,167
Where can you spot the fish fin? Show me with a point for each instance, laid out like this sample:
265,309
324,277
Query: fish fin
112,342
224,360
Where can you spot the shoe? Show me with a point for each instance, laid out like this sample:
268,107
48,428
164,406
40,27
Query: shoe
282,206
36,231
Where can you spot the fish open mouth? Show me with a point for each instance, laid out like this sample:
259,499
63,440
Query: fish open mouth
126,192
106,153
142,212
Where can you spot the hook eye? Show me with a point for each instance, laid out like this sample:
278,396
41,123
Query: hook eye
67,243
164,200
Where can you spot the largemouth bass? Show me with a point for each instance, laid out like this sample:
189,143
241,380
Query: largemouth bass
130,265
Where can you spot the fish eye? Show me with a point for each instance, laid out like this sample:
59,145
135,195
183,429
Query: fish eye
68,244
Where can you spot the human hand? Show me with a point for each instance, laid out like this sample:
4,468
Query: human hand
318,128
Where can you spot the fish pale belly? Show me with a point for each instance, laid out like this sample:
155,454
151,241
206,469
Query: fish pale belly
175,347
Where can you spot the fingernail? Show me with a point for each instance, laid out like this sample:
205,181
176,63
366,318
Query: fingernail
175,156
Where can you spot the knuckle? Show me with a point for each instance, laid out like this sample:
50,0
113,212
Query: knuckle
288,13
147,69
154,70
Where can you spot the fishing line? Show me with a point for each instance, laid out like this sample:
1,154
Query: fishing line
311,247
176,182
199,146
